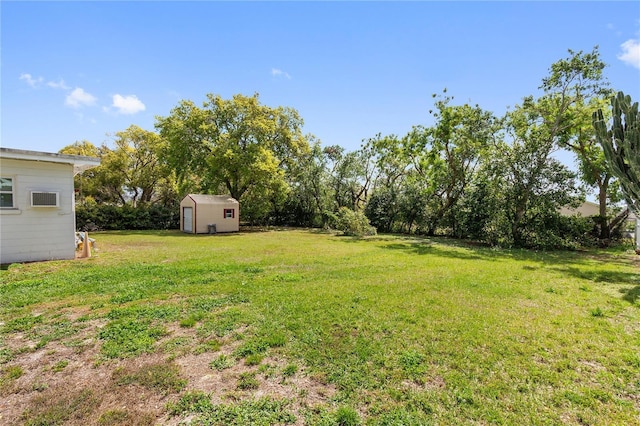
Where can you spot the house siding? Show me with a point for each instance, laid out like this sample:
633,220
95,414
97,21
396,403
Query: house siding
37,233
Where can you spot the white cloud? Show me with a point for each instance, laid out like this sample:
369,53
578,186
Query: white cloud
33,82
128,104
630,53
58,84
78,98
279,73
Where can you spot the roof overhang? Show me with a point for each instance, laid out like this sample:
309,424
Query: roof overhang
80,163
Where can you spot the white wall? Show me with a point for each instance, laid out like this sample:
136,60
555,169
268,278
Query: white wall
37,233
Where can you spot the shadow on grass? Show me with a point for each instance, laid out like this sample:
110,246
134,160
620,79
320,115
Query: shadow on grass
423,248
631,295
462,249
609,277
568,263
471,250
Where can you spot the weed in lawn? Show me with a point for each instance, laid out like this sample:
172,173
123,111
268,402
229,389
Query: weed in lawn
211,345
267,370
146,312
260,412
114,418
597,312
126,338
53,331
59,366
188,322
191,402
275,340
223,323
257,346
210,304
6,355
253,359
177,345
222,362
290,370
251,347
163,376
21,324
8,376
248,381
320,416
347,416
57,408
400,416
39,386
121,299
413,363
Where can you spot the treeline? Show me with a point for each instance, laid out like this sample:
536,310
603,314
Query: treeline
469,175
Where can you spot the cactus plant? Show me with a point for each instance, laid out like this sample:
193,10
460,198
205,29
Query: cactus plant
621,145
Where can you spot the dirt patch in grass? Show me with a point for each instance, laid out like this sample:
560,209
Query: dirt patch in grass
68,381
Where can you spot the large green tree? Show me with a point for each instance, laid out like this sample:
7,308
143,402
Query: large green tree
131,172
235,145
575,87
86,183
526,183
385,207
310,200
448,153
351,175
136,160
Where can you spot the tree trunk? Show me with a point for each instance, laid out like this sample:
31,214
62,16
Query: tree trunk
516,231
605,229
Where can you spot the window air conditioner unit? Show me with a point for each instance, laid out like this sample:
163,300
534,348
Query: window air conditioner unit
45,199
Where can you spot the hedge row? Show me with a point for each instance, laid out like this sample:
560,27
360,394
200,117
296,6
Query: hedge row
94,217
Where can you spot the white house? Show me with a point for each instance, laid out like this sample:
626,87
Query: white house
37,204
202,214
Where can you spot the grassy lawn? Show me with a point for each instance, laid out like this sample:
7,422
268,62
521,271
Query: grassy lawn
302,327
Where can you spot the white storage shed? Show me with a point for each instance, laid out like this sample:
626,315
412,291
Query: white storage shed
209,214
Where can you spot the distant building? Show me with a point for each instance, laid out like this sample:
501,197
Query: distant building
589,208
37,204
585,209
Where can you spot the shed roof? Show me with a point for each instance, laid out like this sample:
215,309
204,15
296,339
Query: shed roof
80,163
212,199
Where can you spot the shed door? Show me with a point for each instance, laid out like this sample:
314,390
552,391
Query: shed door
187,219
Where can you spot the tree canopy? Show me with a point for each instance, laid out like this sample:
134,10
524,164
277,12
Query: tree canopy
469,173
238,144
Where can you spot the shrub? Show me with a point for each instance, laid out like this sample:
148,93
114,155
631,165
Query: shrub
353,223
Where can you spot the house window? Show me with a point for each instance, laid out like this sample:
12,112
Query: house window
6,193
229,213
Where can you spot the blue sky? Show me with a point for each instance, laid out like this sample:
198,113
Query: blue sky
76,71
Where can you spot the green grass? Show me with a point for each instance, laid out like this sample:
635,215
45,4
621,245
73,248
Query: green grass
405,330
